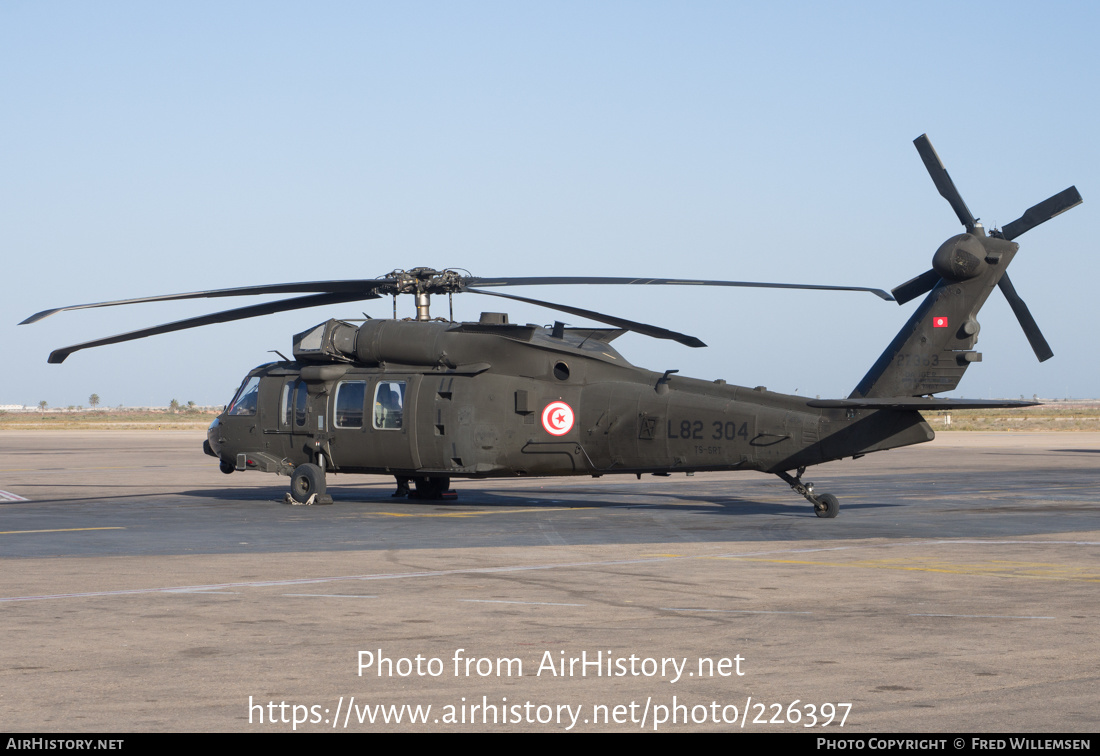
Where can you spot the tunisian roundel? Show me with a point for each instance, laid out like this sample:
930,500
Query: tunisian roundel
557,418
939,322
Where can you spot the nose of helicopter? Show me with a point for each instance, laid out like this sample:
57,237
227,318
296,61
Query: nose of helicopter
211,445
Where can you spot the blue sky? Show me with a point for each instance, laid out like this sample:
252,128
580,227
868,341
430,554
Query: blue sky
149,148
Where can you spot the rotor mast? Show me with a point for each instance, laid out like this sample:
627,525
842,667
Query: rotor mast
422,283
423,305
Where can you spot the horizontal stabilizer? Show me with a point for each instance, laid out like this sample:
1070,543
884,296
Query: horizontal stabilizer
918,403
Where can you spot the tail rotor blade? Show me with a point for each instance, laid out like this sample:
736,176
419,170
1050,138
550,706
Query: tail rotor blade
1041,213
943,181
1027,322
915,287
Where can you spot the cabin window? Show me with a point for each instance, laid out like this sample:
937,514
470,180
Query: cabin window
247,399
349,404
389,404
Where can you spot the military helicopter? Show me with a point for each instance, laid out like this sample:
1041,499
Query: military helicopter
427,400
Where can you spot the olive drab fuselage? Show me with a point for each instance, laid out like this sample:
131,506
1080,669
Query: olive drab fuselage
493,399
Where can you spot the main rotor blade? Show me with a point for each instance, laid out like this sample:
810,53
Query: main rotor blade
268,308
361,286
943,181
630,325
1027,322
1041,213
569,280
914,287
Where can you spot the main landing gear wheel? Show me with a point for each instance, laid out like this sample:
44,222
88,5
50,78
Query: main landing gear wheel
432,488
825,505
306,481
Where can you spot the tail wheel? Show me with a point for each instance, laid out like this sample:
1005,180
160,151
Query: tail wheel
305,481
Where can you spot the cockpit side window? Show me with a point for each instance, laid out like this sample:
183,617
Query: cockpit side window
293,403
300,405
247,399
349,403
389,405
286,406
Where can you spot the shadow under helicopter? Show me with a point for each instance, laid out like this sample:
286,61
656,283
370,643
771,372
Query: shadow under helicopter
1019,500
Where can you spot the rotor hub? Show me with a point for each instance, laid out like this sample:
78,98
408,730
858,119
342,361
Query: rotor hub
422,281
960,258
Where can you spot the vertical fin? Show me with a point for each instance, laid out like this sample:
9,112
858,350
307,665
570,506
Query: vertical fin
934,348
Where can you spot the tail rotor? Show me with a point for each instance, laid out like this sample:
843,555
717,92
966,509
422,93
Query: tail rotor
956,259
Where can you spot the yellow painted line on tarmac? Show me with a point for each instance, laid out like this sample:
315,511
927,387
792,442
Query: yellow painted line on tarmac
410,514
1027,570
57,530
525,510
533,509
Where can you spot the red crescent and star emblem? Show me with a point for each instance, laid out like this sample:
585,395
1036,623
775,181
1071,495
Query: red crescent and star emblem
939,322
557,418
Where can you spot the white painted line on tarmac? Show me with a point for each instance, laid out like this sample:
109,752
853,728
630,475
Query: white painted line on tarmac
1011,543
56,530
530,603
329,595
587,564
983,616
342,578
728,611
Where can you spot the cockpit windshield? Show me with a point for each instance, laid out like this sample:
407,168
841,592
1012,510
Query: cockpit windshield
247,398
